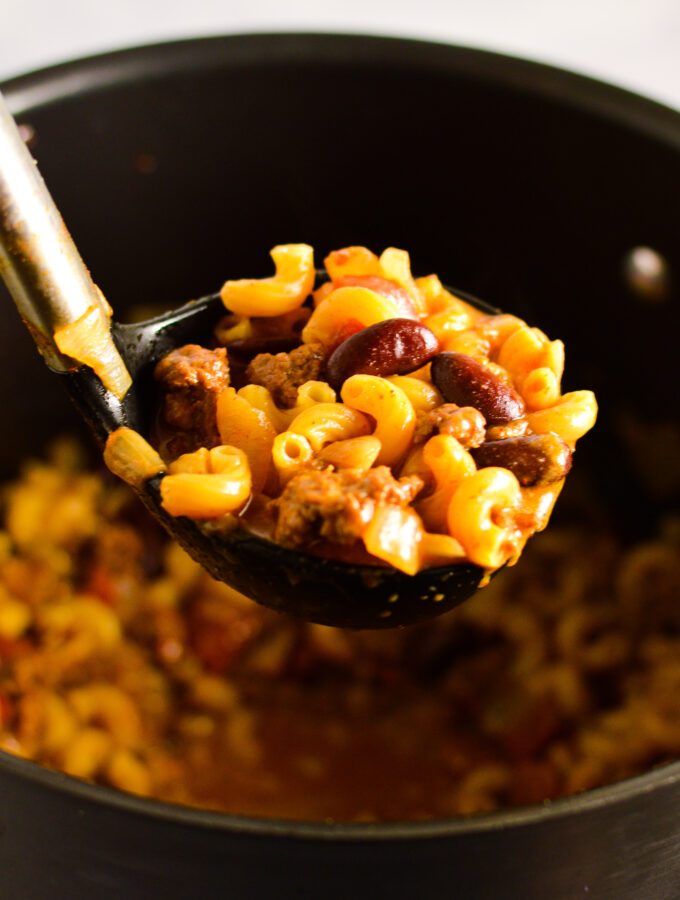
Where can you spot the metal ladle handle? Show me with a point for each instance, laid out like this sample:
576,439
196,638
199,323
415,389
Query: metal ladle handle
39,262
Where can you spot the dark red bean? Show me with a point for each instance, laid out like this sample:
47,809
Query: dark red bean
533,458
461,379
392,347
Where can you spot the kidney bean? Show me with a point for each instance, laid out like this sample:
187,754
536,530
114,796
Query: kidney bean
392,347
533,458
461,379
386,288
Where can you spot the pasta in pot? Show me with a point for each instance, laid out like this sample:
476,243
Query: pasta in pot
123,663
447,393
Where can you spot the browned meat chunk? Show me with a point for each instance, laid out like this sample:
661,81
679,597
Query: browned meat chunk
534,458
336,505
283,373
465,423
192,377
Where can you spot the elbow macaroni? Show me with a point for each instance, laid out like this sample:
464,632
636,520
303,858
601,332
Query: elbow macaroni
571,416
450,464
326,422
248,428
480,516
279,294
390,407
459,511
207,484
331,318
358,453
396,266
422,394
394,535
290,452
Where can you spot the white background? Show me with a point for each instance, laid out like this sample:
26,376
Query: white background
633,43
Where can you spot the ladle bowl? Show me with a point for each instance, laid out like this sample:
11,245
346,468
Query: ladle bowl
310,587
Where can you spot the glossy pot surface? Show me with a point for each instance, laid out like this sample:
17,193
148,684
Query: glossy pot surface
178,165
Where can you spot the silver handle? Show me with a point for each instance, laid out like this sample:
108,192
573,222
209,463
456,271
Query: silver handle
39,262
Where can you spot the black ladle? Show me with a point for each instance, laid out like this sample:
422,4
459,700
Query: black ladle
52,288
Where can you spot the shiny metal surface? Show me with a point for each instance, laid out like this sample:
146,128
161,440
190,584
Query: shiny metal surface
39,262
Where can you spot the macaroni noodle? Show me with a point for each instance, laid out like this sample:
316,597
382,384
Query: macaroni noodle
390,407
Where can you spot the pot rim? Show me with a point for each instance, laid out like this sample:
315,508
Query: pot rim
84,792
99,72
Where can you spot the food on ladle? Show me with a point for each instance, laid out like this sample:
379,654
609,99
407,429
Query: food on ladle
400,426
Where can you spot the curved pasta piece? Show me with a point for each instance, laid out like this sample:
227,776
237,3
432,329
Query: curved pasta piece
540,388
311,393
481,516
449,463
433,292
282,292
422,394
470,342
130,456
234,328
110,707
439,550
390,407
392,291
260,398
446,314
396,266
248,428
497,329
326,422
448,321
393,535
571,417
87,751
195,463
538,503
222,487
345,311
414,464
322,292
354,453
352,261
289,452
528,348
424,373
82,617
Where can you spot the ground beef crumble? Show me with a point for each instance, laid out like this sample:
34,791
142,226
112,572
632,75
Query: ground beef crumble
283,373
192,377
465,423
336,506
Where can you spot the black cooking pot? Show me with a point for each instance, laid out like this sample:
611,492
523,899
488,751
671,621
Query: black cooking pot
176,166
